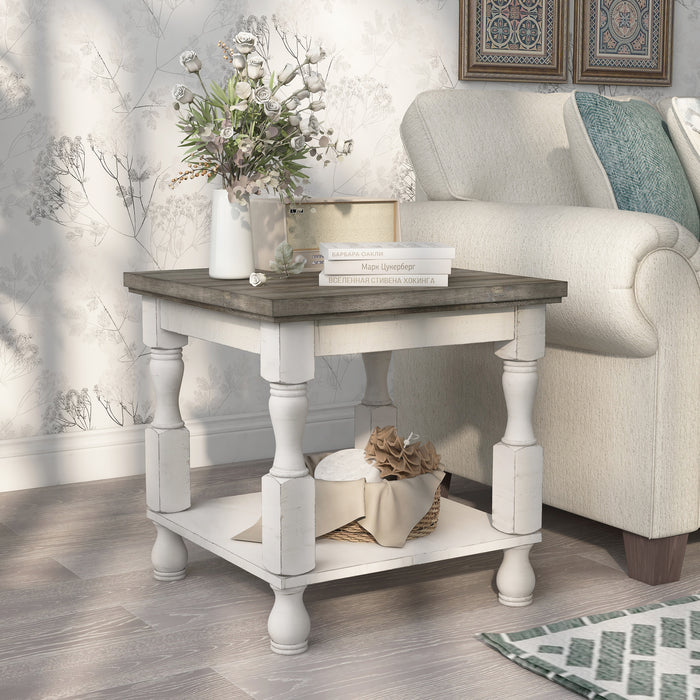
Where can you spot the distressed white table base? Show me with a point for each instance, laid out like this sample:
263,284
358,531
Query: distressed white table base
289,558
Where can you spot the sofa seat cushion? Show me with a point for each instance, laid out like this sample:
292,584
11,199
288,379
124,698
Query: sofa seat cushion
682,114
624,158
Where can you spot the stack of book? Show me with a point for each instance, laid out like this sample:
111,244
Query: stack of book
404,263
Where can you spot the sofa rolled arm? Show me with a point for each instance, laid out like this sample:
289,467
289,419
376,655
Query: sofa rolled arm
597,251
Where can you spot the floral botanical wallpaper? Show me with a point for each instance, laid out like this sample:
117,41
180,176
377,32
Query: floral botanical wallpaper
89,148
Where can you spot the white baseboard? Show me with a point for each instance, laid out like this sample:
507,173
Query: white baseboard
66,458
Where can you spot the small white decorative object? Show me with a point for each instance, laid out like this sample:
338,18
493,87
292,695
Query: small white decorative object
257,279
347,465
231,243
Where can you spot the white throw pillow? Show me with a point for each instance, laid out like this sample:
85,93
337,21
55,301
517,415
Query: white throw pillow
682,114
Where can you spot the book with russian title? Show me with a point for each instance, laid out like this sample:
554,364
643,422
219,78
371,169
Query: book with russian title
325,280
388,266
384,264
400,250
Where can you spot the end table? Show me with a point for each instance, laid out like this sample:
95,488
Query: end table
288,322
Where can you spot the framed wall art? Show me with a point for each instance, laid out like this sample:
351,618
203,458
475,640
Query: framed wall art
623,42
514,40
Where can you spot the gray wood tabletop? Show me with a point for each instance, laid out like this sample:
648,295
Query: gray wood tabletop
301,298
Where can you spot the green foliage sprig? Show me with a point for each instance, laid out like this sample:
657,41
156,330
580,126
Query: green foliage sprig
285,262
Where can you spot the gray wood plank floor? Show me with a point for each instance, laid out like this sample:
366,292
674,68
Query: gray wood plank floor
83,618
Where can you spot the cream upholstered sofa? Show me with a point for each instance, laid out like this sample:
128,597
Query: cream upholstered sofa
618,406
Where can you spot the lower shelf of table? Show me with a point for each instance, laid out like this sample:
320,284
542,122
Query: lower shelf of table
461,531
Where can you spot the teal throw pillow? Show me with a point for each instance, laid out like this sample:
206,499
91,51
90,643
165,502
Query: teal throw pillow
638,158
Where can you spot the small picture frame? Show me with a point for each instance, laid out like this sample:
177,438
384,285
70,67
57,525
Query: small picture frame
513,40
623,42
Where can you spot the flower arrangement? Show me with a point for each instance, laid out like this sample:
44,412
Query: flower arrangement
257,129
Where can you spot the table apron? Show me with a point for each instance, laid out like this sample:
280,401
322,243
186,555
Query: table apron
348,336
213,326
419,330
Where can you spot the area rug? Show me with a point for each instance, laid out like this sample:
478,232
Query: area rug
647,652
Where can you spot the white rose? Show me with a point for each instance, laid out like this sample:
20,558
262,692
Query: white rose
314,82
292,103
317,105
272,108
301,94
240,106
243,90
315,55
190,61
310,125
238,61
255,68
287,74
245,42
262,94
226,132
298,143
183,94
294,119
257,278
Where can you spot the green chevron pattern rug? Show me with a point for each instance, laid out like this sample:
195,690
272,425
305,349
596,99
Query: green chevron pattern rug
648,652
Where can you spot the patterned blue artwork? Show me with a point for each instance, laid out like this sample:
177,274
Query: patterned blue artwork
625,33
515,32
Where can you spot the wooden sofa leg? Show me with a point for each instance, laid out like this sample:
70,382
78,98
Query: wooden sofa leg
654,561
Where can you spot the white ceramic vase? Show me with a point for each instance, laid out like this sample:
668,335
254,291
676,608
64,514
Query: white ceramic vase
231,243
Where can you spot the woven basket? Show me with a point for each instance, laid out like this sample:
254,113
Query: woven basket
354,532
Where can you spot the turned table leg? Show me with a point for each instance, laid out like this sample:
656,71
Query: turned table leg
376,409
169,555
167,443
289,624
288,527
515,579
517,458
288,490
